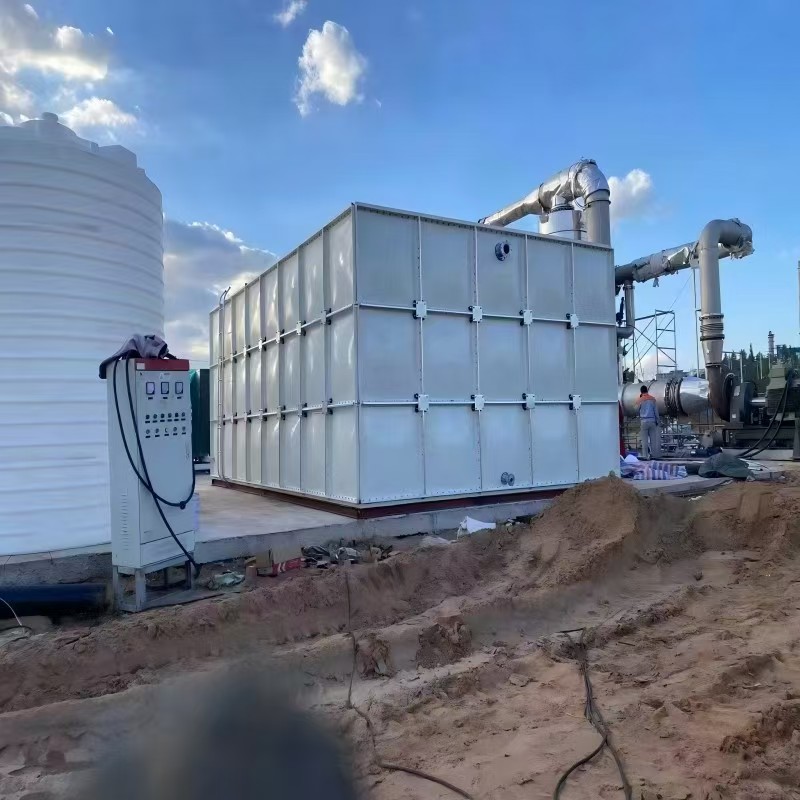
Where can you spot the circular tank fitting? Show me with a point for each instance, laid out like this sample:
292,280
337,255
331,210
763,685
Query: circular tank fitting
502,250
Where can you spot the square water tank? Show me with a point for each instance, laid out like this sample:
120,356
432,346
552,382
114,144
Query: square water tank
396,356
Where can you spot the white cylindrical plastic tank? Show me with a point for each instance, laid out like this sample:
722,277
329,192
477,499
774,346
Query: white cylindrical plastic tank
81,270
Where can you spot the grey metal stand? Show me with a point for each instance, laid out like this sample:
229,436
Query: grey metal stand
140,600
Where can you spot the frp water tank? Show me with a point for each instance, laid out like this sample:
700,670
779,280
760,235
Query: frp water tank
396,356
81,269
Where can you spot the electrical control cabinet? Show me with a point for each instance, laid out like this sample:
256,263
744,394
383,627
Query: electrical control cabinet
151,397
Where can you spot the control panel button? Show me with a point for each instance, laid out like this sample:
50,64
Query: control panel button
178,387
164,387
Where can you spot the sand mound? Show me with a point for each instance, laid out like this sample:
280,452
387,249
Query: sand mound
605,524
590,530
750,515
776,724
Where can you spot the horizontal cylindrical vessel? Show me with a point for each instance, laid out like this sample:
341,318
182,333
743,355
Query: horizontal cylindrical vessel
675,396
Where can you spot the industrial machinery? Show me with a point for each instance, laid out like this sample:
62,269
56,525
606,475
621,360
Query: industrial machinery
152,476
754,422
768,420
718,239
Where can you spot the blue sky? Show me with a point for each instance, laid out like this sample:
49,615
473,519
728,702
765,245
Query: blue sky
453,107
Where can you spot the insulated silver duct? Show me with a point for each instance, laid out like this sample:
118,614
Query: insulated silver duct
675,396
729,233
670,261
719,239
582,180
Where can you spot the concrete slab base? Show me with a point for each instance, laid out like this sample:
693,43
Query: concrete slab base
236,524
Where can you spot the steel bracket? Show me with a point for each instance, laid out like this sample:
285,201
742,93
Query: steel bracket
478,402
572,320
529,401
526,317
574,401
423,402
420,309
477,313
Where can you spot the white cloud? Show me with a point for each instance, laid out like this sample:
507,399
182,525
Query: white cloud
14,98
290,12
630,195
27,43
330,66
200,261
44,66
109,31
96,112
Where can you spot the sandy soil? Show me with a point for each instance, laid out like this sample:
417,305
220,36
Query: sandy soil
691,609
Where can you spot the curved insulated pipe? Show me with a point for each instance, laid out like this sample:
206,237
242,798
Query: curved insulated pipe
583,179
729,233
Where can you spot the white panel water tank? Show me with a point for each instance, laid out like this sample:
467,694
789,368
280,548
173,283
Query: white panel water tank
398,357
81,269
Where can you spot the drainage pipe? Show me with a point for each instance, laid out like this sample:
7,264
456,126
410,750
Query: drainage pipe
582,180
52,599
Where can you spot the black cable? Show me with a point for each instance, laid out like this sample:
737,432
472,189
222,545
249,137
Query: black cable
781,405
754,449
752,453
180,503
350,704
145,481
595,717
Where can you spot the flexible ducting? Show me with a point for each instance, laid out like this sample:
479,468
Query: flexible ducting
582,180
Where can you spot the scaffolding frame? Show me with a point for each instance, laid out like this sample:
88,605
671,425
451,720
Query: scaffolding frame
654,333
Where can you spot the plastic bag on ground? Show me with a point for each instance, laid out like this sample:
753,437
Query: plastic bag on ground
469,526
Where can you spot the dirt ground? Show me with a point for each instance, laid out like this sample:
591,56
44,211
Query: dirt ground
691,610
